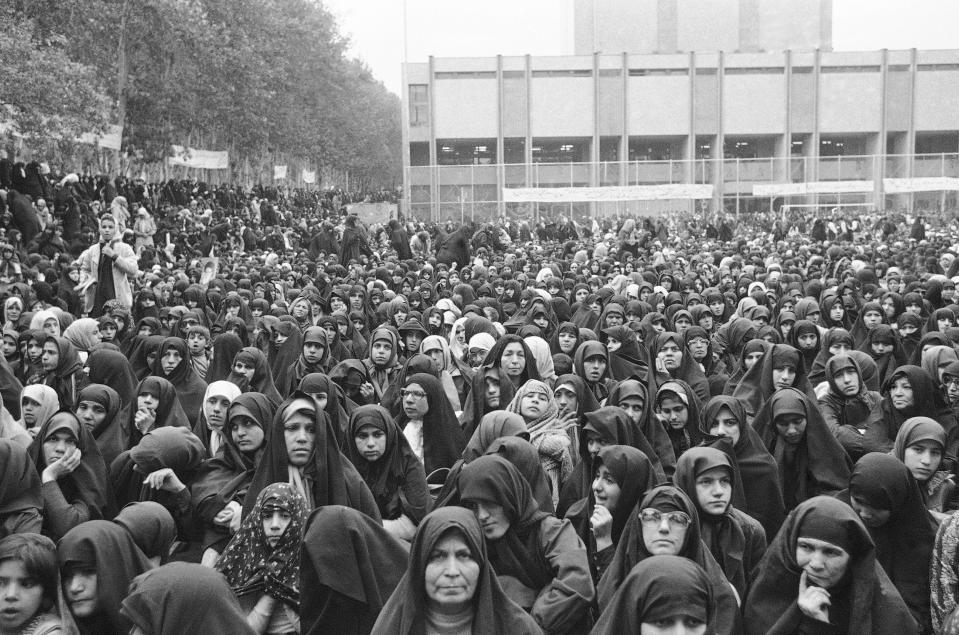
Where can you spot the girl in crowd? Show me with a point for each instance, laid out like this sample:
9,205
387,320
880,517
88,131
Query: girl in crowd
220,486
621,475
852,412
30,581
74,479
811,461
736,540
262,561
661,594
173,364
301,450
725,417
394,474
887,499
98,561
920,445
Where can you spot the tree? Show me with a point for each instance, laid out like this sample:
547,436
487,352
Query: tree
43,92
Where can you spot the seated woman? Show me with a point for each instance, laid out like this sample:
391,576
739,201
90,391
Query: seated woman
735,539
608,425
182,597
63,370
216,402
161,468
780,367
621,476
677,408
820,575
661,594
525,458
219,488
539,558
450,585
98,561
349,567
152,528
300,451
74,479
811,461
37,404
251,373
553,436
887,499
97,408
725,418
666,523
852,412
454,377
670,360
490,390
395,476
920,445
173,363
156,406
21,497
632,396
429,423
33,602
262,561
910,392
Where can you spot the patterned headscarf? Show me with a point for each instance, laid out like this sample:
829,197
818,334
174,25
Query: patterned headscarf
250,564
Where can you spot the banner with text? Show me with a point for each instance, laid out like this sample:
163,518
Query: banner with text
204,159
279,172
663,192
308,176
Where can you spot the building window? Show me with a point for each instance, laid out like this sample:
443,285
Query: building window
465,75
419,105
465,152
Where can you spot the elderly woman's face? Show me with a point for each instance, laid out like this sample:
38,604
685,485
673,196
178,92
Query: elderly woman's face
451,574
823,562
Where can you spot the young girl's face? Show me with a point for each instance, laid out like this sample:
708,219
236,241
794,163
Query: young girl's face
275,522
22,596
370,443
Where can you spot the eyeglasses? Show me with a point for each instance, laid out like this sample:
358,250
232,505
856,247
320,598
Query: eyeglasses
416,394
951,383
650,516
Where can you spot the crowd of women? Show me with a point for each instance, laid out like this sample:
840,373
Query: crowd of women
645,432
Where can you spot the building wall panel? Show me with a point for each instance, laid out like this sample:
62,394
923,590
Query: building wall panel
465,108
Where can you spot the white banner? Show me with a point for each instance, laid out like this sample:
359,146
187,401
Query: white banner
110,139
279,172
192,158
921,184
308,176
611,193
373,213
816,187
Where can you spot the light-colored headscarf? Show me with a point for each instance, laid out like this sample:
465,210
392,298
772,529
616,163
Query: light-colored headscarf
544,358
431,343
230,391
46,397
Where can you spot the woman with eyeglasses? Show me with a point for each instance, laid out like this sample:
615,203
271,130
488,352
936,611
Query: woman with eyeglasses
665,523
539,560
429,422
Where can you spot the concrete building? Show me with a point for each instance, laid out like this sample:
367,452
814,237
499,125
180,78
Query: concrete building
647,132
